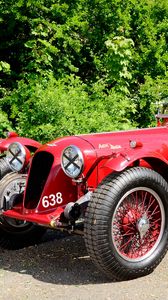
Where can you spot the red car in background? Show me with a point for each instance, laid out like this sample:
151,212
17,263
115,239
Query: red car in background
15,233
110,187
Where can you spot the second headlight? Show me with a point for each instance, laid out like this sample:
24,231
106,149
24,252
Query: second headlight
16,155
72,161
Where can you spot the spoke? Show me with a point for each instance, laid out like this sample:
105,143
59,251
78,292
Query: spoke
140,248
154,211
127,204
152,219
127,234
144,199
126,225
150,204
136,197
126,244
156,221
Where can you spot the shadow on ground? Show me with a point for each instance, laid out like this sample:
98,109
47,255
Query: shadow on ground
60,259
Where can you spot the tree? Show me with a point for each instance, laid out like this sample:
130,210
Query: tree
111,48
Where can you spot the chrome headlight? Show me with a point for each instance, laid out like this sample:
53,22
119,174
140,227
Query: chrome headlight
72,161
16,155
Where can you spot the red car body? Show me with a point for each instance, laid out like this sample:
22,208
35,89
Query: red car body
103,153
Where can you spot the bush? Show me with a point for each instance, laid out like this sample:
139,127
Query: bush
47,108
4,124
149,98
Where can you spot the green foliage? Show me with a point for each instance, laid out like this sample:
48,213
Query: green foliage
150,97
4,67
47,108
69,67
5,125
118,58
150,33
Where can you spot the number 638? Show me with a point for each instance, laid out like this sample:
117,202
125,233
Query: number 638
52,200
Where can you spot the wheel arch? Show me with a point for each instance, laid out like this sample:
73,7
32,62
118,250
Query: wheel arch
155,162
158,165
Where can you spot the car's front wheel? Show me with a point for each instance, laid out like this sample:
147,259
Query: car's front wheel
14,233
126,226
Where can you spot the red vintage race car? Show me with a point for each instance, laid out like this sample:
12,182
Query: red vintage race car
110,187
12,231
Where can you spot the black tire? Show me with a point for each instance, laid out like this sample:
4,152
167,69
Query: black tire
126,223
4,168
15,234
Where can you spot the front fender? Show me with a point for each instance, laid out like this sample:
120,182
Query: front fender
121,161
29,143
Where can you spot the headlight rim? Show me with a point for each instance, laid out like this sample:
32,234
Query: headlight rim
80,154
22,150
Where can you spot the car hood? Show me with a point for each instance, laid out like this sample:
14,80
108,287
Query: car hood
107,142
119,140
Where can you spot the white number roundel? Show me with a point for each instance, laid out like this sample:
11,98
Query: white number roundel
52,200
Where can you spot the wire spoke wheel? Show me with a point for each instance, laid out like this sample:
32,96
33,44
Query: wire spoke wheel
138,224
126,223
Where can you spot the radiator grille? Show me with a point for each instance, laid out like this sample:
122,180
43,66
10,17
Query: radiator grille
40,169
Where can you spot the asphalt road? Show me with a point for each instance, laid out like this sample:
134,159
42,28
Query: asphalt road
59,268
